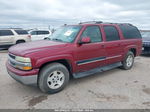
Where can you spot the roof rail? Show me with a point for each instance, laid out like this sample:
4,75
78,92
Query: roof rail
10,28
118,23
91,22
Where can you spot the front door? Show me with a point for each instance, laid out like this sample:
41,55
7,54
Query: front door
90,55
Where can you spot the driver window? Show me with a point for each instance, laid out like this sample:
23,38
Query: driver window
93,32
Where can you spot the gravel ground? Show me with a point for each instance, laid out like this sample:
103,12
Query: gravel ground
114,89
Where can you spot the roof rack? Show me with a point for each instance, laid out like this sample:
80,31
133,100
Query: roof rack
11,28
100,22
91,22
117,23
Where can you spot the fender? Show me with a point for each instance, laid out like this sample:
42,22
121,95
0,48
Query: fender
126,49
67,57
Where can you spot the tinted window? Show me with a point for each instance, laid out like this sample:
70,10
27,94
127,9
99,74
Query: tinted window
93,32
130,31
21,32
43,32
6,32
33,33
111,33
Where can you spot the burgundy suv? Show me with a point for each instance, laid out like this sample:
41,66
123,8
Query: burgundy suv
74,51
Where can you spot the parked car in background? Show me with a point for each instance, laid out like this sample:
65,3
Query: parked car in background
39,34
10,37
146,41
74,51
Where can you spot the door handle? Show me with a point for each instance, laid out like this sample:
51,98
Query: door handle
103,46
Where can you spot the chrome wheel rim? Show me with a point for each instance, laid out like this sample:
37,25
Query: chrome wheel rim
129,60
55,79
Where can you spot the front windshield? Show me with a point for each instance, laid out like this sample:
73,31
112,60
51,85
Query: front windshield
145,34
65,34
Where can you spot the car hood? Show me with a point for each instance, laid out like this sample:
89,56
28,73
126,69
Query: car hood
26,48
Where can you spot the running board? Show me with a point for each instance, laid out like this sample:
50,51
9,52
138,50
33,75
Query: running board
97,70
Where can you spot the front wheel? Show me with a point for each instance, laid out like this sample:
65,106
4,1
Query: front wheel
53,78
127,63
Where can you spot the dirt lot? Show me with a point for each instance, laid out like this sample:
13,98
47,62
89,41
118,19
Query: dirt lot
112,89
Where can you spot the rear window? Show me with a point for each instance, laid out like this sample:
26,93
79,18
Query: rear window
6,33
21,32
130,32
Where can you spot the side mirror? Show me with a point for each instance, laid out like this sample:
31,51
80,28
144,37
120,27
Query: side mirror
85,40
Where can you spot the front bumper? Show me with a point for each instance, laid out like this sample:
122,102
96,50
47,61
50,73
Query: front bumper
24,77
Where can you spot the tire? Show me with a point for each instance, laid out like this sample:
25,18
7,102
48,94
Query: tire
20,41
53,78
127,63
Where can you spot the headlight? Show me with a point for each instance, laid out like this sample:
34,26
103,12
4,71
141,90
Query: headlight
22,59
19,62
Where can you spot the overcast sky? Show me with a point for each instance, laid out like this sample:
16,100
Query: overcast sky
35,13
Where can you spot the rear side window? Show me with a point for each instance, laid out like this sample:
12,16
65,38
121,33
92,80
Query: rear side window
43,32
6,33
21,32
111,33
130,32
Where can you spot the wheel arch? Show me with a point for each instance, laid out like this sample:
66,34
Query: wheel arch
20,40
132,49
64,62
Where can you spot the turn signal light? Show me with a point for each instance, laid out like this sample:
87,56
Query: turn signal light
26,68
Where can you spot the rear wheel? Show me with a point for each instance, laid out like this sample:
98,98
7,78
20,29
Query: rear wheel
53,78
127,63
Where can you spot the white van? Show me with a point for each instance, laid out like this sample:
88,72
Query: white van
39,34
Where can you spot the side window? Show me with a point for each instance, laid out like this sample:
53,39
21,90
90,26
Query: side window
21,32
45,32
93,32
6,33
130,32
33,33
111,33
40,32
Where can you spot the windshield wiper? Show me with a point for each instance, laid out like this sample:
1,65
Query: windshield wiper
57,39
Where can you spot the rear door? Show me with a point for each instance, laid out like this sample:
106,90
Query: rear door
113,44
90,55
6,37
